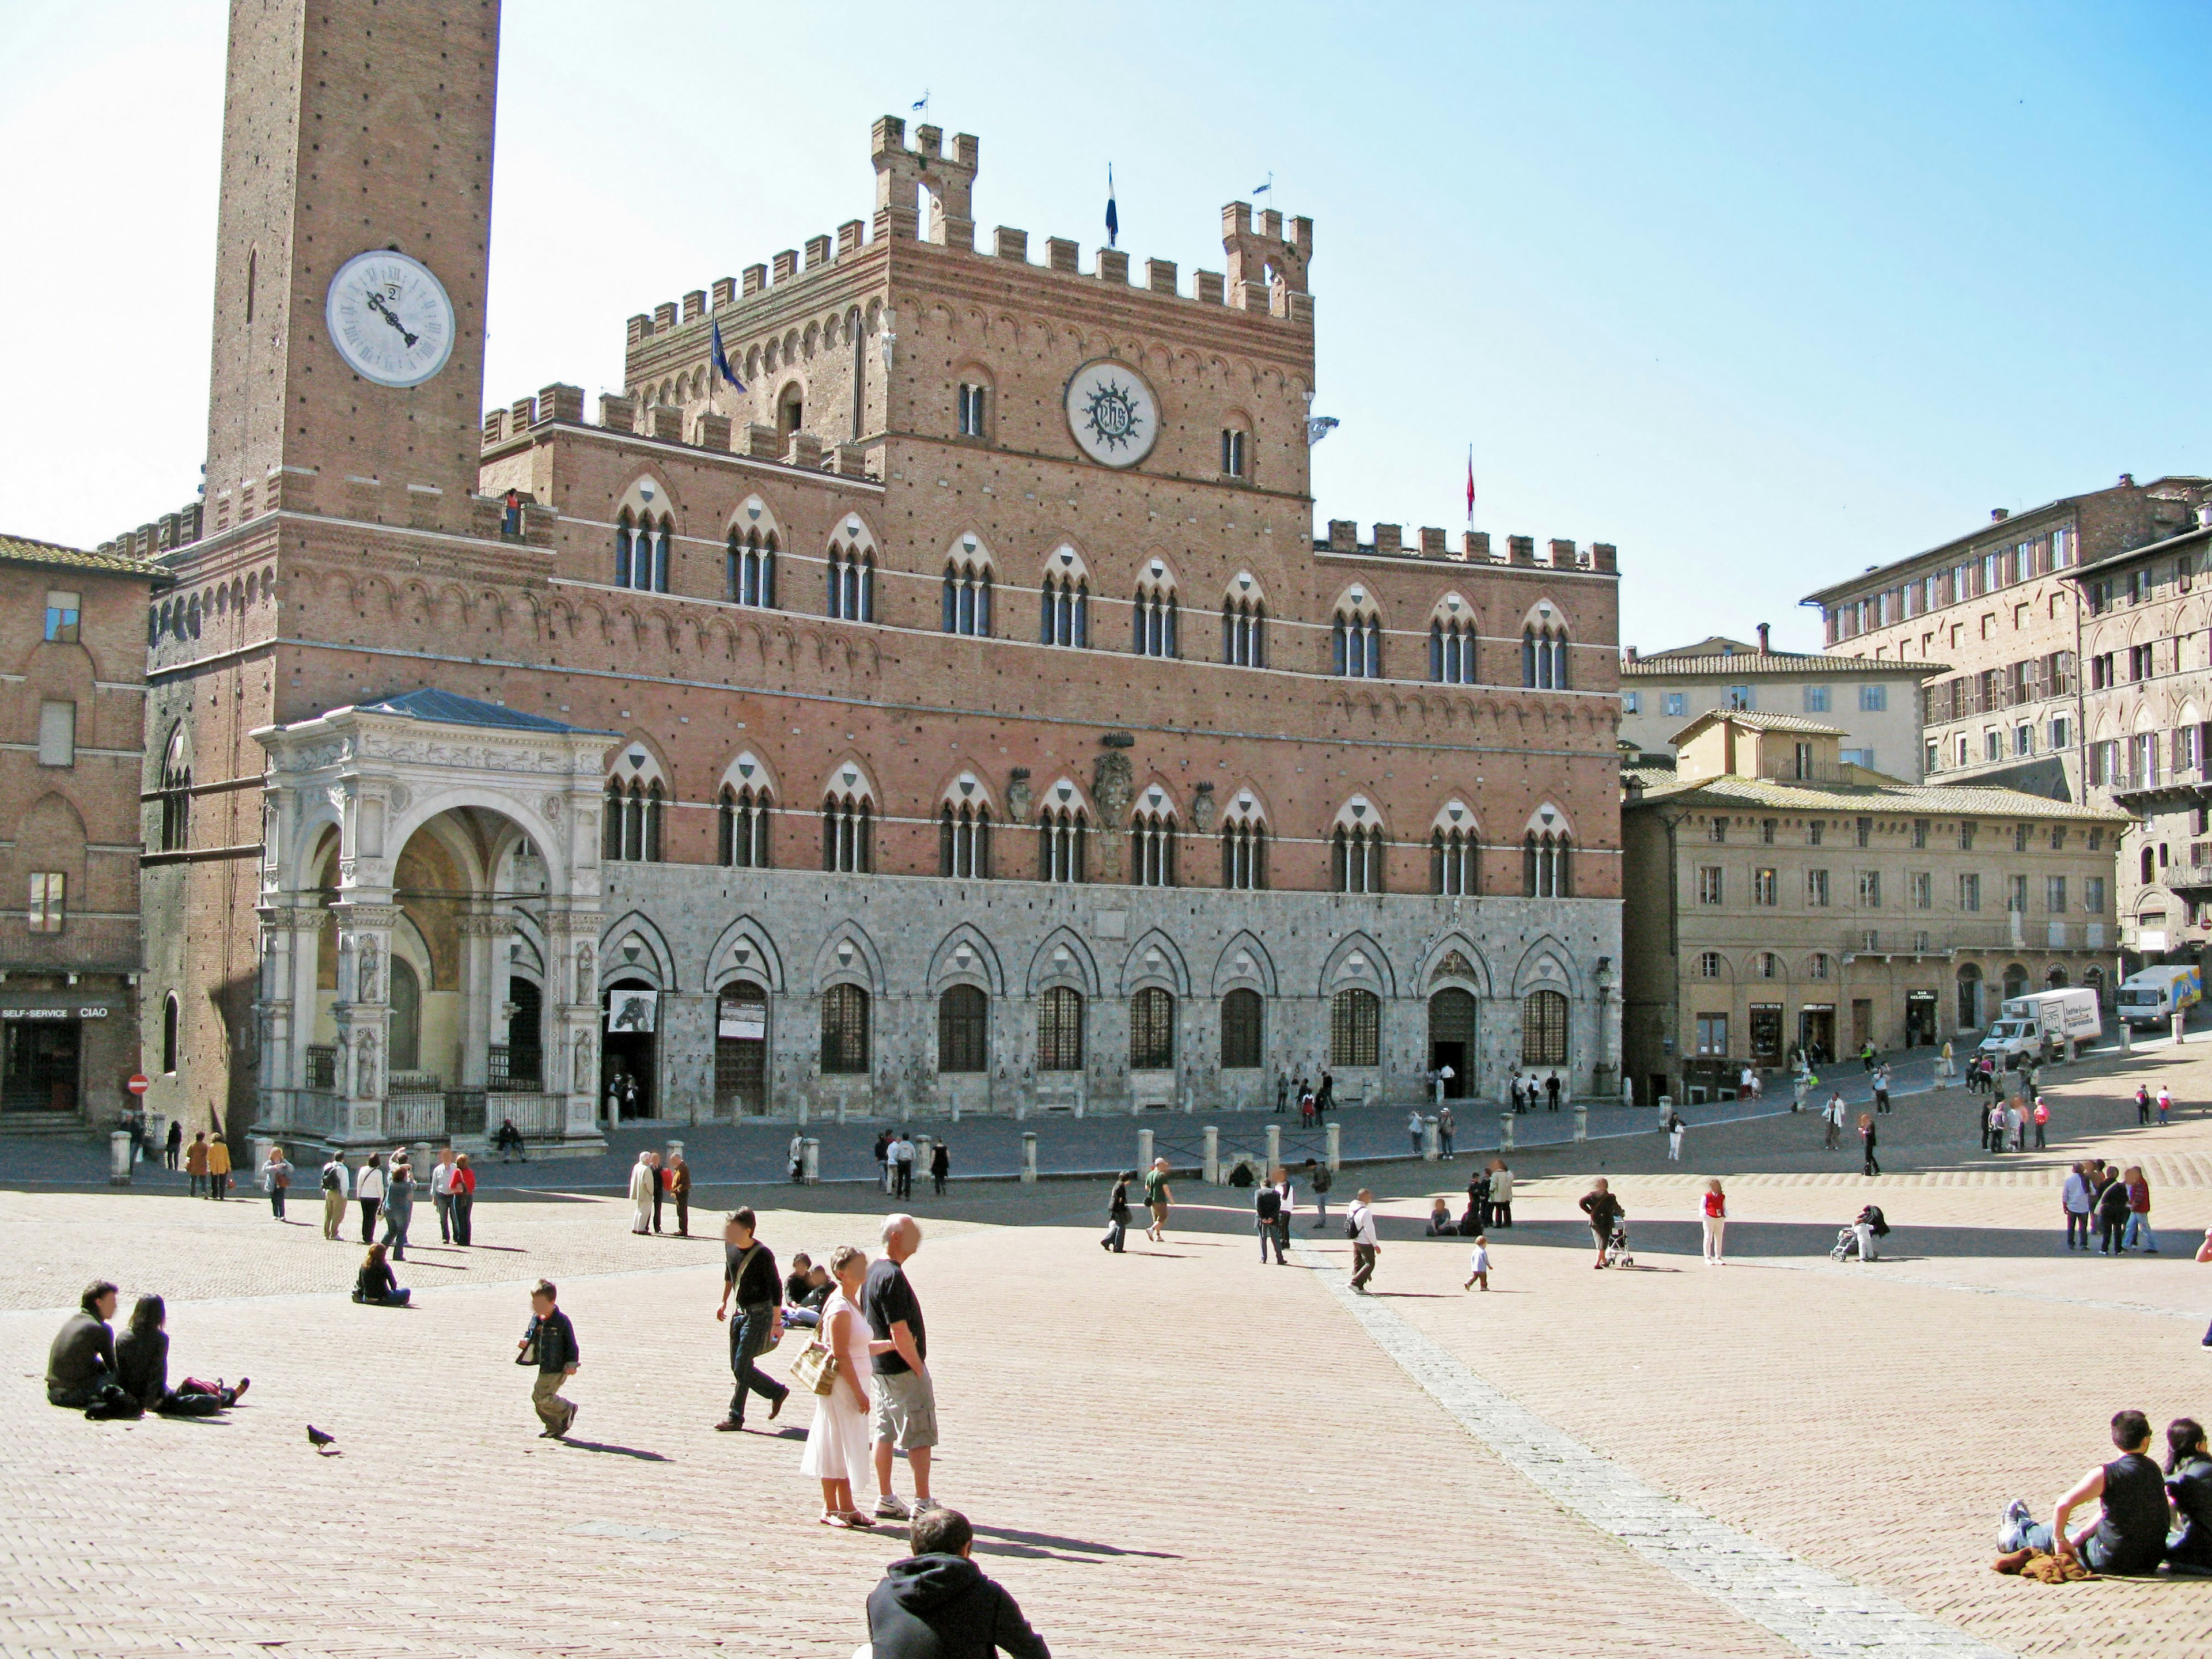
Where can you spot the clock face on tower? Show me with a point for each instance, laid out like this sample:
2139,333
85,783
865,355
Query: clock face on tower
389,318
1112,412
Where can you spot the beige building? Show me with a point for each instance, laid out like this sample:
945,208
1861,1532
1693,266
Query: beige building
1876,704
2146,654
1778,898
2000,607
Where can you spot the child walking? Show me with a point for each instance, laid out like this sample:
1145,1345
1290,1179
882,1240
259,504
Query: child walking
550,1345
1478,1267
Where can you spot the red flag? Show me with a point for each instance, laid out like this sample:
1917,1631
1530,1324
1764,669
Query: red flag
1470,484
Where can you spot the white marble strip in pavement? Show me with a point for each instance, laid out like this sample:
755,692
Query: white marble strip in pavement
1815,1610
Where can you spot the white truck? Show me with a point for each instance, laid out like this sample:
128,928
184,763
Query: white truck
2037,1025
2153,996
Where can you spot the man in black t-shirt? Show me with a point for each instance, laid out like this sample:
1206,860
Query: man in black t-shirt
748,1276
2128,1537
905,1400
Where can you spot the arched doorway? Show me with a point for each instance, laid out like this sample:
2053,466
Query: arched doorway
632,1016
2055,979
524,1060
2094,979
2015,980
1451,1039
741,1051
1970,997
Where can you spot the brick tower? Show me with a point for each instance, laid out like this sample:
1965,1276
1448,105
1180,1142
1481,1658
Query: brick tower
349,128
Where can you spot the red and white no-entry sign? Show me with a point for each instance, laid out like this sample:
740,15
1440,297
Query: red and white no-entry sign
138,1084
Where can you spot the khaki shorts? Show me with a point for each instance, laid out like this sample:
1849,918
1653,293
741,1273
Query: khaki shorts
906,1409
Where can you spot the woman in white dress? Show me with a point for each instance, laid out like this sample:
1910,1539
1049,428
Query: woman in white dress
840,1451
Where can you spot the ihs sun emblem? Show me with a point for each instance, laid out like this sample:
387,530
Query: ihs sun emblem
1112,414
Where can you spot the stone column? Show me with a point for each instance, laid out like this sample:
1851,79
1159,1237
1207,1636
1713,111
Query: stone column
291,940
483,959
1212,1159
572,1036
365,921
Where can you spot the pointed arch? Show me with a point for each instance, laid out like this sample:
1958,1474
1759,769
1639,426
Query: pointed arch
1244,622
1157,609
1155,960
1358,847
1064,590
851,570
744,950
1547,854
1544,647
1357,961
1064,820
970,577
1548,964
965,956
634,804
1355,635
849,955
1453,630
652,961
1457,959
1244,962
1062,958
1245,839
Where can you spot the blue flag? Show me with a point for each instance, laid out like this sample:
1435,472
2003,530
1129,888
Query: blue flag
721,358
1113,217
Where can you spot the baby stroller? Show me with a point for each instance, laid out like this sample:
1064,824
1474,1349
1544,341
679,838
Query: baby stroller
1616,1247
1847,1240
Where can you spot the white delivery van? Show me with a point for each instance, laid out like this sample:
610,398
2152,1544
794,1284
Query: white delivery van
2152,996
2038,1023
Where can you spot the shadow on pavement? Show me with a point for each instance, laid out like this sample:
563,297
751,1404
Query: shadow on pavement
1046,1545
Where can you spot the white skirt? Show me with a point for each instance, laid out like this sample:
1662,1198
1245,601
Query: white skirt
839,1446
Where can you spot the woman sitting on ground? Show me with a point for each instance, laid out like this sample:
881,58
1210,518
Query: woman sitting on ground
374,1283
1441,1224
141,1365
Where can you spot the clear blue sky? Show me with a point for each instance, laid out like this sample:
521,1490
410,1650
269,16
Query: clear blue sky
1762,292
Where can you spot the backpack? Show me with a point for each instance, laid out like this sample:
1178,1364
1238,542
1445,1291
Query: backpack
1351,1225
1270,1204
330,1179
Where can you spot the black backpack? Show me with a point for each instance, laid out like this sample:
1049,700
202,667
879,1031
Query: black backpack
329,1179
1270,1204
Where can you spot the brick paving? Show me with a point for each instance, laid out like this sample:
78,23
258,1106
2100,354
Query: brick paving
1162,1449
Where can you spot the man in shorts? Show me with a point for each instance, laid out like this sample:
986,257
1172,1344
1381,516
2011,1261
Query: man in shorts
905,1400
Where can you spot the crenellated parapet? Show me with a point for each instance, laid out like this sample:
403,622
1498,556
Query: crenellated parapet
1388,542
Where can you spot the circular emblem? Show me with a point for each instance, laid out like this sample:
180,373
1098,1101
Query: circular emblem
389,318
1112,413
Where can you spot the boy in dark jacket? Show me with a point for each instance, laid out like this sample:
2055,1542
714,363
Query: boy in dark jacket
557,1359
939,1605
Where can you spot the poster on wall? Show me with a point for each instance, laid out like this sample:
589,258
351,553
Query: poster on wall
745,1021
630,1011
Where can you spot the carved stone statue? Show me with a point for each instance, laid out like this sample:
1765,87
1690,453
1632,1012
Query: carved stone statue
1018,796
365,971
583,1079
1111,787
586,973
364,1065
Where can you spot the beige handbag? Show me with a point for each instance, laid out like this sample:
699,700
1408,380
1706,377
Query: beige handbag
815,1369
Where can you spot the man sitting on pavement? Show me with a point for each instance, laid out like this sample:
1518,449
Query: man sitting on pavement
80,1373
937,1604
2127,1538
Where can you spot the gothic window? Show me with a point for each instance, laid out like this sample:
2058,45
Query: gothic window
752,568
1356,645
1059,1031
1152,849
847,833
963,1030
1544,658
1244,854
1355,1029
1547,865
641,548
967,597
1451,645
1544,1029
1232,452
1059,844
845,1031
1356,857
1243,633
177,791
631,833
1156,616
169,1033
1242,1016
1454,861
1064,616
745,822
1152,1031
852,583
971,409
964,841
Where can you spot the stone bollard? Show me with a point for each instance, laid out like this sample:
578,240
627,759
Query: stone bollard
1144,1150
2127,1038
2180,1024
1029,1159
1334,1156
1581,1121
802,1111
1432,1145
257,1152
1505,1131
922,1149
119,1158
810,1161
1212,1155
1274,1149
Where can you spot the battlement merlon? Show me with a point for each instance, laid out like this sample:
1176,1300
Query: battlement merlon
1602,558
1265,256
903,175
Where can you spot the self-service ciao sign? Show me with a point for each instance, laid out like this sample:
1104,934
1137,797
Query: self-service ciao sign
53,1013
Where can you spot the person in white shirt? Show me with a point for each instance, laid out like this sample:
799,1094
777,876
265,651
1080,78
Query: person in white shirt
902,1167
1478,1267
797,1157
1360,1222
369,1189
337,1182
442,1193
1413,1131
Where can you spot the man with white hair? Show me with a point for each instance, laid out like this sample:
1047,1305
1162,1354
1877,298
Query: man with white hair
905,1400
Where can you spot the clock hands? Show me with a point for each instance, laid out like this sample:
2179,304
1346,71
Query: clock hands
376,304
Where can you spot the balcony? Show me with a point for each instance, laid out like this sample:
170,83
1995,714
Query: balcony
2144,781
1789,770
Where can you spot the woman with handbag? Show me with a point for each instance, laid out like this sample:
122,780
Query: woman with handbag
840,1447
